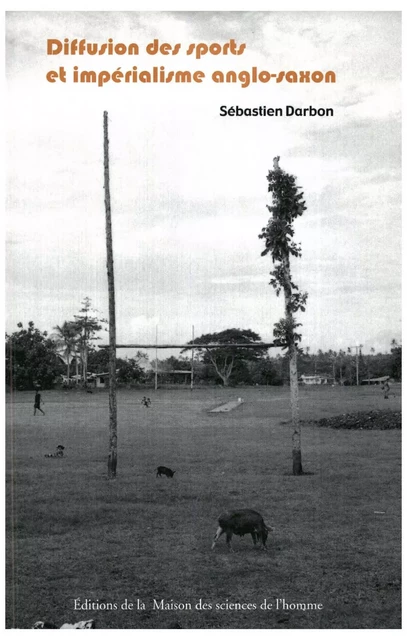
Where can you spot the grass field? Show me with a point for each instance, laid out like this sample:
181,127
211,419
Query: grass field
72,534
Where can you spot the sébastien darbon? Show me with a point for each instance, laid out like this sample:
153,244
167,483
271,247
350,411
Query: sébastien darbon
287,111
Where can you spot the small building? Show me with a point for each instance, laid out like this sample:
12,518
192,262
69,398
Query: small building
72,381
316,379
99,380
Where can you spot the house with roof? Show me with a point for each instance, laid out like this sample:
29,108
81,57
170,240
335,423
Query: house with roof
320,378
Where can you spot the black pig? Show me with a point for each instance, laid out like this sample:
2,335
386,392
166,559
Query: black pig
164,471
239,523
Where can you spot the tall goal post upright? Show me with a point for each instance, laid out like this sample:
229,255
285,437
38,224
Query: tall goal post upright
156,360
358,351
192,358
112,460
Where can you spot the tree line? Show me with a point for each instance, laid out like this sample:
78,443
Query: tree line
70,353
67,356
338,367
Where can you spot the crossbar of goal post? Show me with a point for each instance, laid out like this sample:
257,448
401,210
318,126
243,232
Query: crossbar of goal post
245,345
239,345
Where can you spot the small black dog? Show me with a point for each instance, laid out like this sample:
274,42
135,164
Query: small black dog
164,471
58,454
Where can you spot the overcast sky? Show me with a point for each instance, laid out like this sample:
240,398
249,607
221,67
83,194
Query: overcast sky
189,188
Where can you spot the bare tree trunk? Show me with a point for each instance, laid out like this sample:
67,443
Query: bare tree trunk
292,352
295,413
82,363
85,363
112,461
192,360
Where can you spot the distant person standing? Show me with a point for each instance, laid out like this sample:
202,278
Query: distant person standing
386,389
37,402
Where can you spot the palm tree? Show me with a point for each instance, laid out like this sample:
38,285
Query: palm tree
66,338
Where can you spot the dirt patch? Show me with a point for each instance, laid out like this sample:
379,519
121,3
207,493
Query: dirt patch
378,420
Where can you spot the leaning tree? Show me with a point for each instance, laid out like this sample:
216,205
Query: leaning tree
286,205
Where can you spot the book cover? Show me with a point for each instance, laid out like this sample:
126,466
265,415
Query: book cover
203,324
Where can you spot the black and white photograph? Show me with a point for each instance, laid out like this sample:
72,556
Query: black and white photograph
203,360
